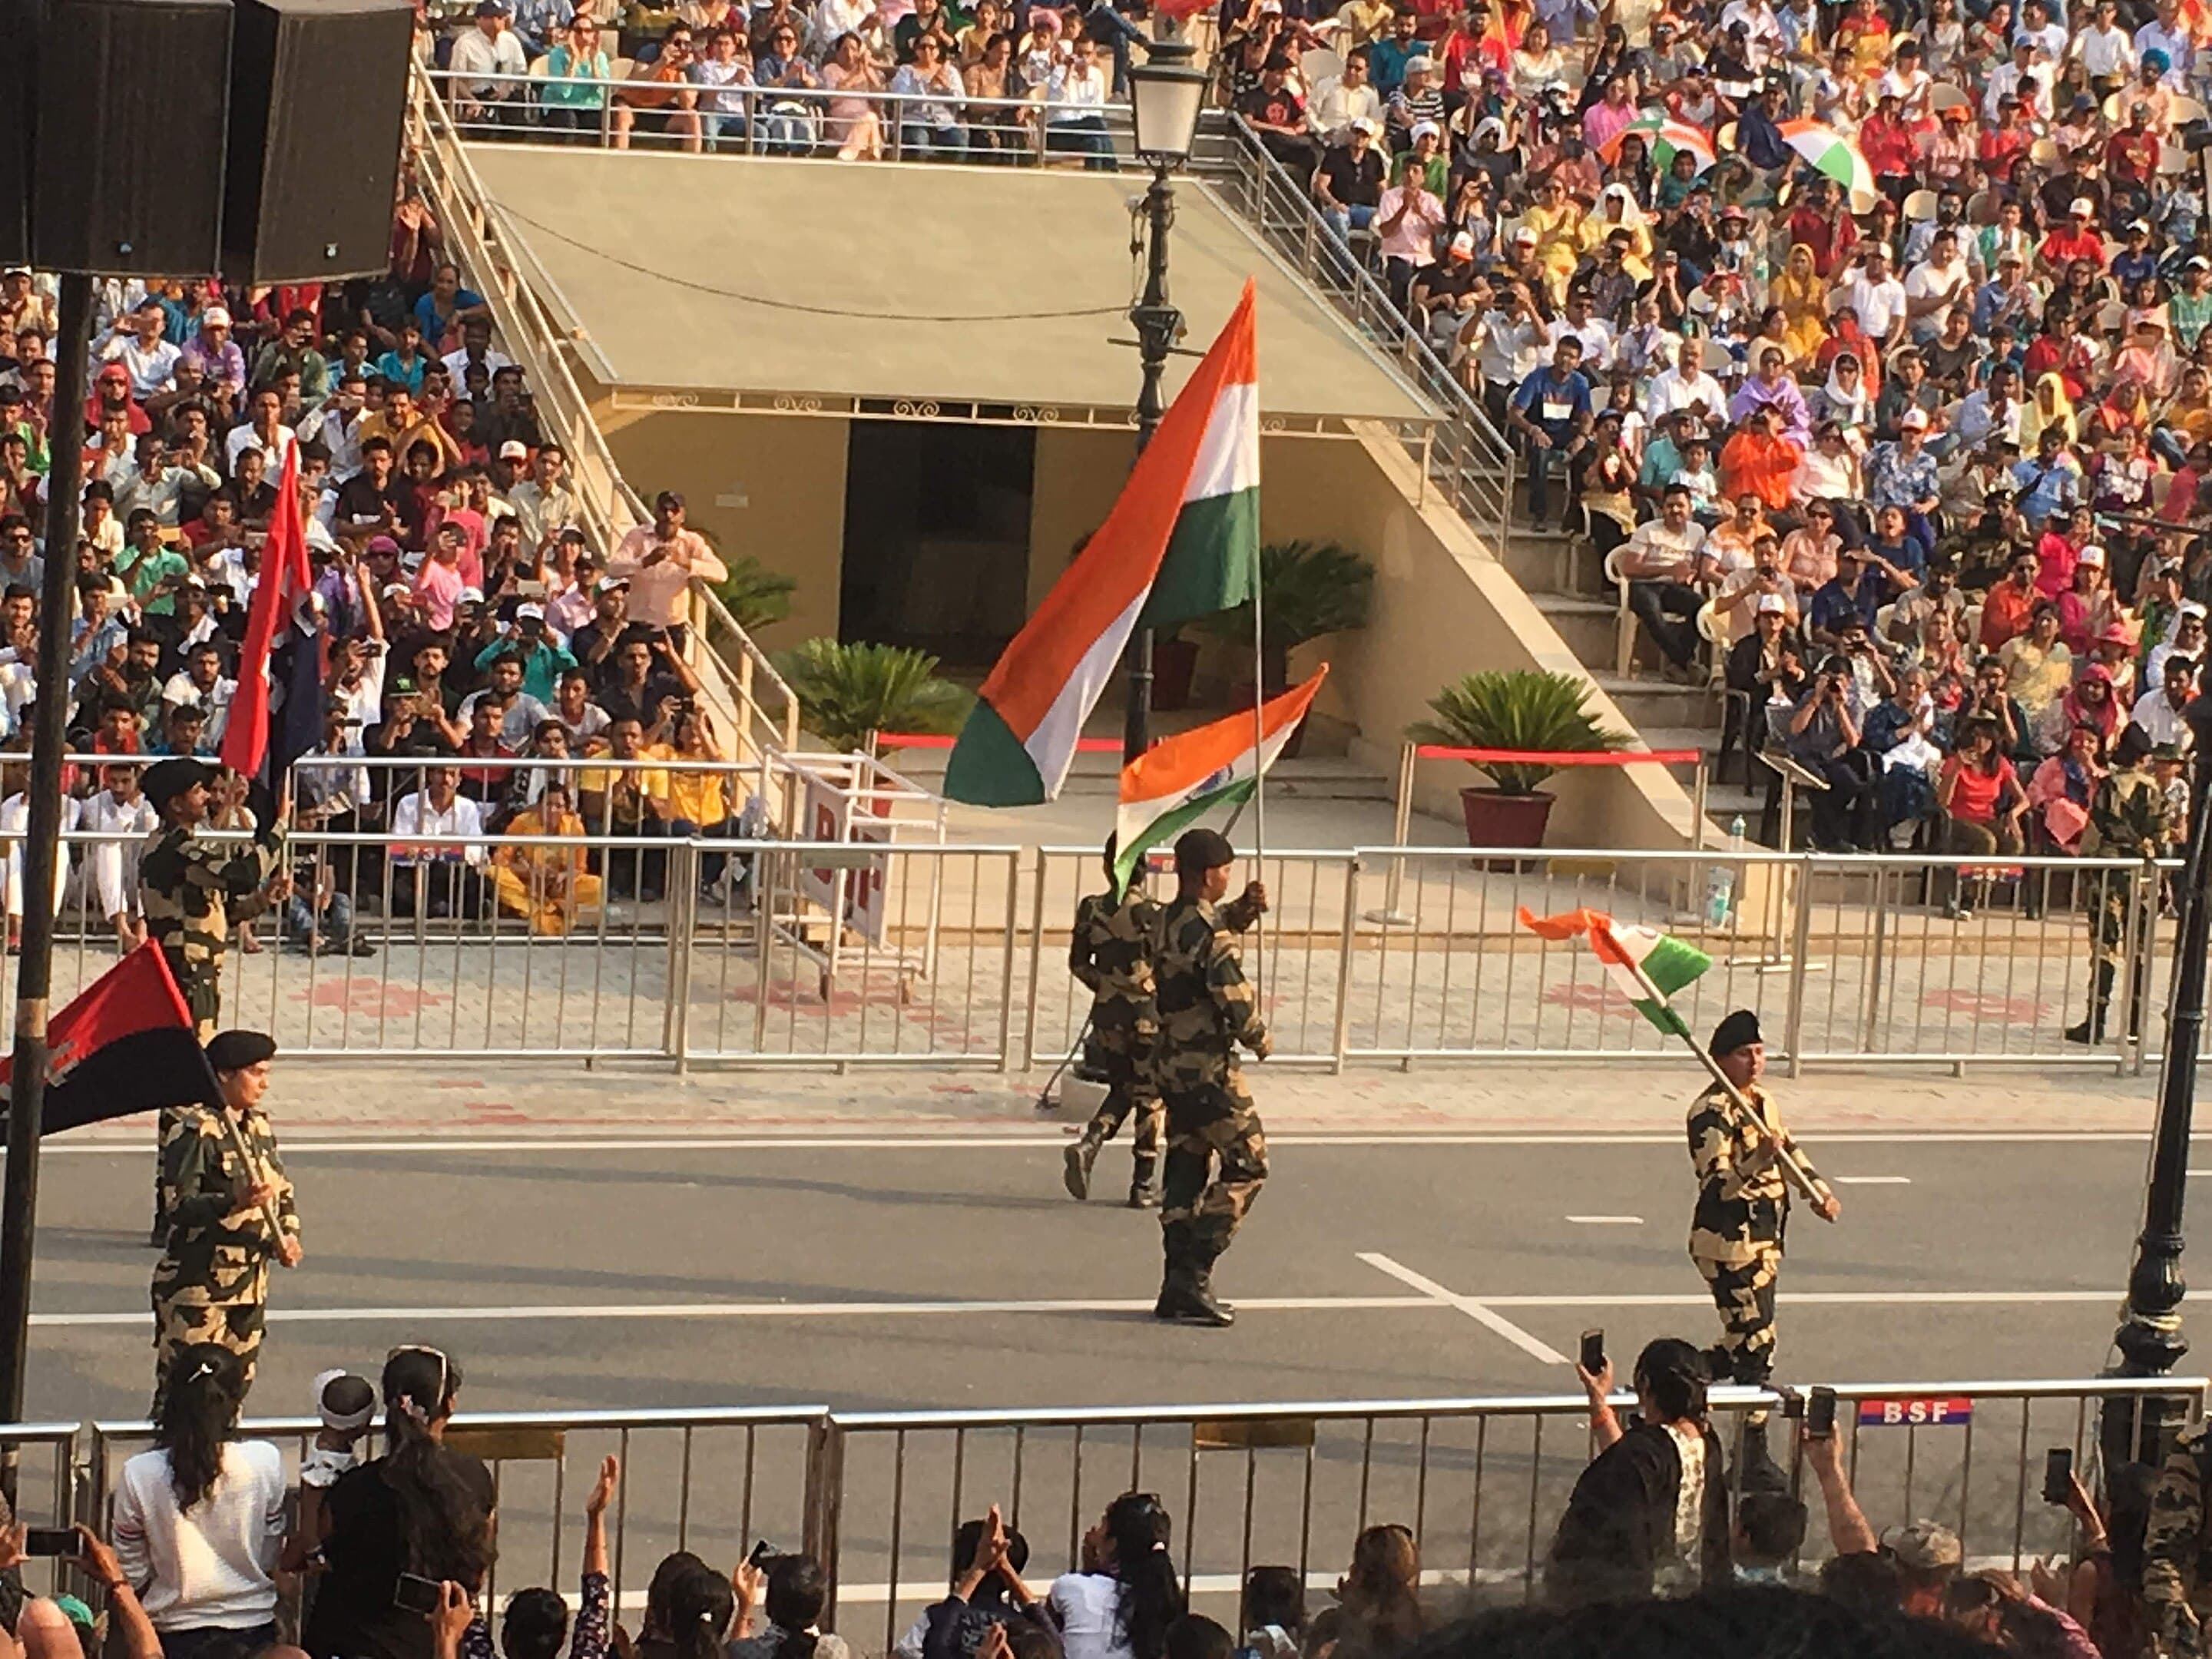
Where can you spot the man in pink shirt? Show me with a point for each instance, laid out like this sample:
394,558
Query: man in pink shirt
659,560
440,584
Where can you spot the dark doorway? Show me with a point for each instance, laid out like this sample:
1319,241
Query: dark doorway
937,537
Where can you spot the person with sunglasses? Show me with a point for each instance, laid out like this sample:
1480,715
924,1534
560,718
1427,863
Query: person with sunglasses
658,96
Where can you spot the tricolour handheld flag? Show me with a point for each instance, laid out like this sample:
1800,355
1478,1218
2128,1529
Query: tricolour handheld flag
1640,961
1178,781
1183,541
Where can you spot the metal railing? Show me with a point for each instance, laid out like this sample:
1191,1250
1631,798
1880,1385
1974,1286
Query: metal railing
440,166
751,119
1463,455
834,932
876,1496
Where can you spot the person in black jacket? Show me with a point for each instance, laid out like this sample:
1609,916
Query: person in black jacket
1652,1511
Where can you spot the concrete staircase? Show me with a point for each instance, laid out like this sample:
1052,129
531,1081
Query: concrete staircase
1564,577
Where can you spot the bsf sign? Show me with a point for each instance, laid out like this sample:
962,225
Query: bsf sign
1914,1414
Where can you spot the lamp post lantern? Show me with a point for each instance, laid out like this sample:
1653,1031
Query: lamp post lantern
1166,92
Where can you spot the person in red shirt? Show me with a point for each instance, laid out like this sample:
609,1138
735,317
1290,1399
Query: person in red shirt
2001,146
2077,239
1823,226
1982,800
1887,141
2010,605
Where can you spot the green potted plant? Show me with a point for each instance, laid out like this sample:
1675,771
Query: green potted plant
755,596
848,690
1307,589
1529,710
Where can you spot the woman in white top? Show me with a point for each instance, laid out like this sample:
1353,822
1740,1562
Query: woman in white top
1120,1605
197,1521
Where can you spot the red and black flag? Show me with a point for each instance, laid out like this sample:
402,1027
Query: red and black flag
126,1044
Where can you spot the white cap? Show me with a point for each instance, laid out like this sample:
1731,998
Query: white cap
1913,420
514,450
1362,123
1429,127
471,595
1419,60
2091,555
400,590
525,613
1462,246
1773,605
215,317
2082,207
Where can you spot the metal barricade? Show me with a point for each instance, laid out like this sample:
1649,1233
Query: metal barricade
46,1491
710,1481
1480,1483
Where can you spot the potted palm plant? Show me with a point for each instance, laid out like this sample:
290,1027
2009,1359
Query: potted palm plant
755,595
1531,710
848,690
1307,589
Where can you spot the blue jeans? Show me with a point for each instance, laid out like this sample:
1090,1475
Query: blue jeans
1086,135
717,126
336,926
1345,219
931,142
1541,464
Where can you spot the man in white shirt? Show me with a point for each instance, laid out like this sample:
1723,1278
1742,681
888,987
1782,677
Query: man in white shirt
201,682
336,426
428,878
543,500
2104,47
2023,79
2169,33
265,431
1661,560
1578,322
137,344
108,875
1935,285
2037,25
490,49
1341,101
1875,297
1683,382
475,348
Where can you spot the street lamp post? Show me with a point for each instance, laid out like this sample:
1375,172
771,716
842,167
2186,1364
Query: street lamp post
2149,1338
1166,92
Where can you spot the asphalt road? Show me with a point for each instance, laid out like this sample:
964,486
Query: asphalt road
883,1275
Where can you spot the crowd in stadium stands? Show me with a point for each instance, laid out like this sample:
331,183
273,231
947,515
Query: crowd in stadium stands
211,1550
1872,334
460,616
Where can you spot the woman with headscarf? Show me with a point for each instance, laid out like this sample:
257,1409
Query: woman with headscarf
1617,210
1803,297
2089,702
1843,398
1845,335
2064,786
2050,407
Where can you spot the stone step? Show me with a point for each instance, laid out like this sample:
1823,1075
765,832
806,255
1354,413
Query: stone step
1589,627
1553,562
1653,704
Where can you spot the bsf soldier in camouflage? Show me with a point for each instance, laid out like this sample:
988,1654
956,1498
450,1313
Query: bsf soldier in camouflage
1110,951
221,1163
2130,817
1743,1203
193,891
1217,1151
2177,1579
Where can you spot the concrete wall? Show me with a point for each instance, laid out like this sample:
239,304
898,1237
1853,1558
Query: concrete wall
768,486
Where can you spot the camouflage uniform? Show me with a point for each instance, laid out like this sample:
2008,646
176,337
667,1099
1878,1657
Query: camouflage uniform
1735,1235
1205,1009
1110,951
2177,1588
213,1278
2130,817
193,891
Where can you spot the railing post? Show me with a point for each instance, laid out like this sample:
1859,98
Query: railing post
1347,936
681,886
2142,959
1006,963
1037,962
1800,933
826,1502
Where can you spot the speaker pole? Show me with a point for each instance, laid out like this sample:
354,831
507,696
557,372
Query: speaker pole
19,1195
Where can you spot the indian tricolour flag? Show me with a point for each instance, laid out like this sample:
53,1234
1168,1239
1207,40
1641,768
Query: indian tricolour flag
1183,541
1177,782
1666,963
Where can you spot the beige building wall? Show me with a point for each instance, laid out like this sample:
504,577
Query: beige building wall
768,486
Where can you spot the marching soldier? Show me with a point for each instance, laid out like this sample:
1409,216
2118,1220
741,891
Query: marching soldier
1205,1009
2131,816
2177,1590
193,891
231,1212
1110,951
1743,1202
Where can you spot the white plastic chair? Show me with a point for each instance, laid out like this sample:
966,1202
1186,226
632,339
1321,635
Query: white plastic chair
1624,649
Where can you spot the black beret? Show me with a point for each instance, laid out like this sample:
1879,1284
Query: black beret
1202,849
1739,1030
169,778
234,1051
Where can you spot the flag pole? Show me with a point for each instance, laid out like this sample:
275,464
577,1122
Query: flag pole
1259,767
1799,1176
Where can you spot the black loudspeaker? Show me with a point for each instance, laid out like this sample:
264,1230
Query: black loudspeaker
131,100
317,94
19,59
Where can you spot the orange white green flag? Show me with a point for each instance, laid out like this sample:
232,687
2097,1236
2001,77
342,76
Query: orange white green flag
1183,541
1647,965
1180,780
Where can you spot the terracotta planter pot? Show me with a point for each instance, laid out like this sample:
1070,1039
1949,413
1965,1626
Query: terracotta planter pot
1497,819
1174,663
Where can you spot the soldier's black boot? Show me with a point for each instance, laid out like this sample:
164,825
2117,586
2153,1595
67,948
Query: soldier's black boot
2092,1029
1143,1195
1756,1469
1201,1307
1080,1157
1175,1274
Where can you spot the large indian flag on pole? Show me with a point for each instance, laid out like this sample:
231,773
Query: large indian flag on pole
1178,781
1667,964
1183,541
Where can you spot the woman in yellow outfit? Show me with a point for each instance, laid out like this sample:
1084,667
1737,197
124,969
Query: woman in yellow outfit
547,884
1617,210
2047,407
1803,298
1555,219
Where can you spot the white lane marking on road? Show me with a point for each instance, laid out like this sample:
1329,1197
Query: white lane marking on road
1433,1295
1871,1181
307,1146
1607,1220
1540,1352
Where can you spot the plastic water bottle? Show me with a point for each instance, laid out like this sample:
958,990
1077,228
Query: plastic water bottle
1720,880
